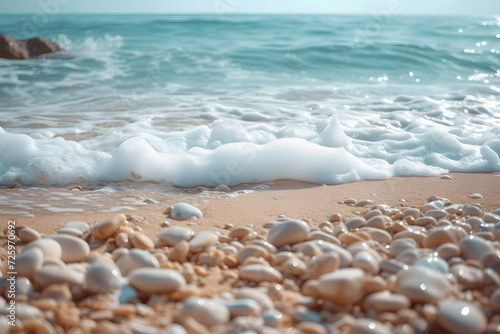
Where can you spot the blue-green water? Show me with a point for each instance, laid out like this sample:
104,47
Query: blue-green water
403,95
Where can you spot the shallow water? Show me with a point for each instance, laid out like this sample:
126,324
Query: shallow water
200,100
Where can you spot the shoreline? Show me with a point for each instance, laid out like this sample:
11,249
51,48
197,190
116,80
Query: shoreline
294,199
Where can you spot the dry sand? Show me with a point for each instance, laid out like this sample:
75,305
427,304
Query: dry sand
291,198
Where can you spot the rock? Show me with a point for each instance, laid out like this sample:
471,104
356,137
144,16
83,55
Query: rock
422,284
385,301
172,235
11,48
73,249
366,261
433,262
251,250
441,235
205,311
474,247
179,252
24,288
446,177
323,264
142,241
343,286
103,277
460,317
240,232
260,273
80,226
28,234
108,227
137,258
476,196
156,280
202,240
183,211
289,232
471,277
256,294
51,274
49,247
29,262
369,326
241,307
272,318
354,223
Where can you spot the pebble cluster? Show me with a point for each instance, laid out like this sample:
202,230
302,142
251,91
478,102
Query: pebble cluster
431,269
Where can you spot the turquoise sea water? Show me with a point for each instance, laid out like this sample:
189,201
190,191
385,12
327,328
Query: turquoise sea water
325,99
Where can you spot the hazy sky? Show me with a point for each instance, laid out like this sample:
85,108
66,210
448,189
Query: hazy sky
433,7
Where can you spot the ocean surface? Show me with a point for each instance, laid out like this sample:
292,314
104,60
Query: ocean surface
206,100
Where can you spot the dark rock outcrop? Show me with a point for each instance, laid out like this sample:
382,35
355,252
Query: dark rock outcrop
11,48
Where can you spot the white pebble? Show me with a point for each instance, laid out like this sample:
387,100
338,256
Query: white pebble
288,232
156,280
205,311
460,317
73,249
183,211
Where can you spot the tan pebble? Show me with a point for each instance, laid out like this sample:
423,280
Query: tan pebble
379,222
202,240
67,315
308,327
426,221
208,259
406,315
323,264
49,247
379,235
108,227
385,301
44,327
355,223
125,229
58,292
101,315
418,236
311,288
251,250
339,229
122,240
437,214
51,274
398,226
142,241
259,273
350,201
205,311
27,234
369,326
106,327
398,246
240,232
439,236
372,213
349,238
469,276
156,280
136,228
414,212
336,217
363,203
289,232
192,326
448,250
179,252
326,226
343,286
29,262
310,249
44,304
73,249
294,267
231,261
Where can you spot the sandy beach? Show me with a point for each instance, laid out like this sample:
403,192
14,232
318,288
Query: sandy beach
291,198
321,273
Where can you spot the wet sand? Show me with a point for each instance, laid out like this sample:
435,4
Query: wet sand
291,198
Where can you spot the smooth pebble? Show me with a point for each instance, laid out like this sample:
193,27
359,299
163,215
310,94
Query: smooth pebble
156,280
73,249
260,273
205,311
461,317
172,235
183,211
289,232
422,284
